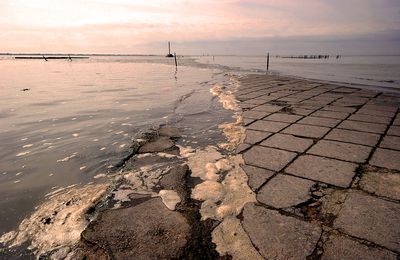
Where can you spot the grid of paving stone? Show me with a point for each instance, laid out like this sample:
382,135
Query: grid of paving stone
324,161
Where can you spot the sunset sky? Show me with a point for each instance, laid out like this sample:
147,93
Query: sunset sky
200,26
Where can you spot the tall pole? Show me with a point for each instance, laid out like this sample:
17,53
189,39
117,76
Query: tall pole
176,63
267,61
169,47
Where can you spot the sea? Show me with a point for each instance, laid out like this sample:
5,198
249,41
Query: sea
65,122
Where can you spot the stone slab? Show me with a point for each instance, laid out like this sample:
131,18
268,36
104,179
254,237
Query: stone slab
269,158
385,184
256,176
253,137
386,158
341,151
146,231
331,114
374,112
301,111
340,248
394,130
268,108
339,109
326,170
371,218
254,114
279,237
267,126
282,117
306,130
371,119
391,142
284,191
288,142
319,121
363,126
242,147
351,136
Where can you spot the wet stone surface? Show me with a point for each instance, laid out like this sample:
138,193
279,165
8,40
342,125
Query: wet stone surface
277,236
329,164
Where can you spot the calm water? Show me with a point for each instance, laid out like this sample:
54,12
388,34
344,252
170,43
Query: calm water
369,71
76,119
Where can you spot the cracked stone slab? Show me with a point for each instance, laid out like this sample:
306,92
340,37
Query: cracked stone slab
371,218
374,112
267,126
288,142
363,126
319,121
391,142
326,170
351,136
281,117
146,231
386,158
284,191
257,176
341,151
306,130
269,158
385,184
277,236
253,137
340,247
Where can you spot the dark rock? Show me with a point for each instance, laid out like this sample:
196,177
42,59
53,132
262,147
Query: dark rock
159,145
146,231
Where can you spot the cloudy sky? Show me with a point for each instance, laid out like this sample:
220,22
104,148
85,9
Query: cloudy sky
201,26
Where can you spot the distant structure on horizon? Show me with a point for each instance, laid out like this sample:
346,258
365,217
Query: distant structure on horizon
169,55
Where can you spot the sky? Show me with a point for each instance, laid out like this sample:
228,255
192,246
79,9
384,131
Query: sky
249,27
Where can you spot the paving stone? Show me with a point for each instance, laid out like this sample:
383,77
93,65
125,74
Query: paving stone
397,120
284,191
341,151
257,176
380,108
326,170
277,236
371,218
331,114
256,101
306,130
319,121
386,158
267,126
248,121
269,158
281,117
371,119
301,111
375,112
339,109
253,137
242,147
288,142
385,184
391,142
254,114
394,130
353,137
340,248
363,126
268,108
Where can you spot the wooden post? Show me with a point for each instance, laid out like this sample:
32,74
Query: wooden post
267,61
169,47
69,57
44,58
176,63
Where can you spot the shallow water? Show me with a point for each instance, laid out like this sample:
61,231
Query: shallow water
76,119
367,71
